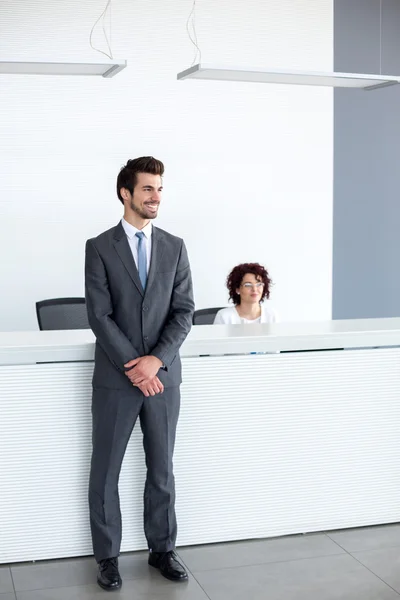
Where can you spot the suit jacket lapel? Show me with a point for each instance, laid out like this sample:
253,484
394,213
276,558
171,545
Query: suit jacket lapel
121,245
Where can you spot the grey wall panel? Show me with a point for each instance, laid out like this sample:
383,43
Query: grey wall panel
356,36
391,36
366,220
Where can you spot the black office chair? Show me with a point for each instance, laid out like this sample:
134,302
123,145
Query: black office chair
62,313
205,316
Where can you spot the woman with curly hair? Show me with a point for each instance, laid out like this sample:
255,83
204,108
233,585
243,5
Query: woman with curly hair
248,285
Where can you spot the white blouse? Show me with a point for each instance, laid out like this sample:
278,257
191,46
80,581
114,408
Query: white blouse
230,316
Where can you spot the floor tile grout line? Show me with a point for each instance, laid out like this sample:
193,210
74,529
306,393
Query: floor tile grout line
390,546
76,585
94,583
193,575
271,562
191,572
326,534
12,581
365,566
199,584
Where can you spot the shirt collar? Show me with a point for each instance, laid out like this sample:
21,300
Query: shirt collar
131,231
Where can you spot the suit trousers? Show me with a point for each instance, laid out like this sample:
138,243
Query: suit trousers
114,414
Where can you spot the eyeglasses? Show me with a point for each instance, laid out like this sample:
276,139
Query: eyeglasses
249,286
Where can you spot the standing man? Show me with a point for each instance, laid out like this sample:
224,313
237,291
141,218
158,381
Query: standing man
140,305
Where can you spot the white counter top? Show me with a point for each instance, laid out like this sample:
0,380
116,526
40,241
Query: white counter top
28,347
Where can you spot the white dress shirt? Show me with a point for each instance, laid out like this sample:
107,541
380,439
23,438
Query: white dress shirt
133,241
230,316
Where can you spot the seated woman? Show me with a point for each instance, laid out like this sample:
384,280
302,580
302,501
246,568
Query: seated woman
248,284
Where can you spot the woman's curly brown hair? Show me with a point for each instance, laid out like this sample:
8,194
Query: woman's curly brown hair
235,279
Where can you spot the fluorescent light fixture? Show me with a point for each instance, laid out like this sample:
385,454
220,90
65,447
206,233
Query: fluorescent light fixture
346,80
105,69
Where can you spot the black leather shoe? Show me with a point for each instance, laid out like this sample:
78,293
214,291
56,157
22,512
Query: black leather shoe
108,576
168,565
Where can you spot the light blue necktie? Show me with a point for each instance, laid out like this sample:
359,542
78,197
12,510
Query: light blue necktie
142,259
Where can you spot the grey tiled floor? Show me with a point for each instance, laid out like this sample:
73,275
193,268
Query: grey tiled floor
361,564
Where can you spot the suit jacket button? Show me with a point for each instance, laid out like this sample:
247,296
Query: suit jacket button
145,308
146,337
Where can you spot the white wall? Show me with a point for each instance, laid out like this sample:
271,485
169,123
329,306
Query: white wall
248,166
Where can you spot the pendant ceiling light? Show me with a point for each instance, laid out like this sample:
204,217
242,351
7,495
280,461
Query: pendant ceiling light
344,80
105,68
215,72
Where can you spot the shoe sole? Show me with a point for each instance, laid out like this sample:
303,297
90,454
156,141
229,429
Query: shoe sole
181,579
109,589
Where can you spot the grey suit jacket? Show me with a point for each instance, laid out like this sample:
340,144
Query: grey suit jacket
129,322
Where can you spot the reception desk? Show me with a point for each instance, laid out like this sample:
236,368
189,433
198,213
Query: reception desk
303,437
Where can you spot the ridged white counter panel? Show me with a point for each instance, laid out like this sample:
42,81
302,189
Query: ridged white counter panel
267,445
288,443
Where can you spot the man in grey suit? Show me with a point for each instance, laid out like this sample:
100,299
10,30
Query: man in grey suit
140,306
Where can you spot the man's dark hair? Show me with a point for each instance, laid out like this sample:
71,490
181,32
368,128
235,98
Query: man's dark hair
127,177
